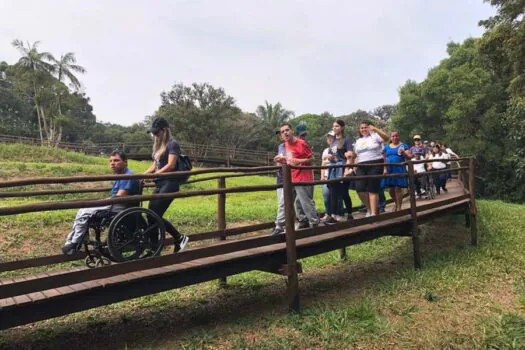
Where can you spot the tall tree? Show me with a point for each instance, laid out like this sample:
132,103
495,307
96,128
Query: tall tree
36,65
273,115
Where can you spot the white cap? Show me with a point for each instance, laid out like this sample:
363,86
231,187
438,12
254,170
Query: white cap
330,133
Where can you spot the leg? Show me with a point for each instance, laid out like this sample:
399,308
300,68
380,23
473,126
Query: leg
392,192
399,197
305,195
280,218
327,198
159,206
382,199
374,203
299,211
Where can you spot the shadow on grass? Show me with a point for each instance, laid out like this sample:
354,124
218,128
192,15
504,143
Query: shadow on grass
242,303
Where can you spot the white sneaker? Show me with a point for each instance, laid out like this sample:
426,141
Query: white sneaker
368,214
340,218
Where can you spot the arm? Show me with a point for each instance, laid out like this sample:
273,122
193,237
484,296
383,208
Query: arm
172,159
380,132
121,193
151,169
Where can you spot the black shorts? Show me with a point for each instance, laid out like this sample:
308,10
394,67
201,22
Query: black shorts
369,185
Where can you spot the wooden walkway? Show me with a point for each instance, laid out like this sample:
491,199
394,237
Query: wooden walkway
42,296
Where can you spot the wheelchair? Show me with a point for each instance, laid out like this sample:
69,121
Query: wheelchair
119,236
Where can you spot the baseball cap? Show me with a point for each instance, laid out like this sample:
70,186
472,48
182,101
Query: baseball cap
330,133
157,124
300,129
417,137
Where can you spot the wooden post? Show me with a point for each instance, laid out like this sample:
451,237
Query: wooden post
221,217
473,208
413,214
292,289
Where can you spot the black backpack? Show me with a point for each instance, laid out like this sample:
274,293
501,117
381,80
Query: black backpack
184,164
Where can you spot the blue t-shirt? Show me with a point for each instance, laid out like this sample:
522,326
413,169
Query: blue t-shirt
172,148
132,186
391,153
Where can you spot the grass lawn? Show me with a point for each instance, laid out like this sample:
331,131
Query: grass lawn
463,298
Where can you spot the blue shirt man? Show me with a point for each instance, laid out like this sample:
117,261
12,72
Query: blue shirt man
118,162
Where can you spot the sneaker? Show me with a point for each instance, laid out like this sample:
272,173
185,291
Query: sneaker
362,209
330,221
382,210
340,218
70,248
303,224
181,245
325,217
277,230
349,217
444,189
368,214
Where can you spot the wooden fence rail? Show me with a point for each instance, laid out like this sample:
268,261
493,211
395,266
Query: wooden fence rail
266,249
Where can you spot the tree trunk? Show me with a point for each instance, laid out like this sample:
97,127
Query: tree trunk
37,105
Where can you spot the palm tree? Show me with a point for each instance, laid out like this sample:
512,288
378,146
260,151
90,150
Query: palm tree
36,63
273,115
64,69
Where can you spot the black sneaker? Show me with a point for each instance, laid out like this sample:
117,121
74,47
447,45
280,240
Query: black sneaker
382,209
349,217
181,244
330,221
303,224
277,231
70,248
444,189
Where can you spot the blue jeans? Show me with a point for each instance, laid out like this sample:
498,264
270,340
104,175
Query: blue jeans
327,202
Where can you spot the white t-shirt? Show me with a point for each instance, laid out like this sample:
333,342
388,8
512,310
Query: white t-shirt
325,162
438,165
419,168
369,148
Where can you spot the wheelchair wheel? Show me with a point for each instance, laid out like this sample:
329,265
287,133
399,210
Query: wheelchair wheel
135,233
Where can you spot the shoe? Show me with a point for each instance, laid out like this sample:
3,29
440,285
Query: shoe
277,231
303,224
340,218
349,217
70,248
325,217
330,221
181,245
445,190
382,210
362,209
368,214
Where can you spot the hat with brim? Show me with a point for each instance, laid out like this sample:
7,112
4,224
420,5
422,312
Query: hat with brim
330,133
158,124
417,137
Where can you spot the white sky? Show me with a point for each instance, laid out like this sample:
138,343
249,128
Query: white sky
312,56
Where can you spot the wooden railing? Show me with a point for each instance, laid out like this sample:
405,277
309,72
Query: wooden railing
404,223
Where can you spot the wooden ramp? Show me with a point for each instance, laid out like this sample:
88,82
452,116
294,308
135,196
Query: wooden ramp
42,296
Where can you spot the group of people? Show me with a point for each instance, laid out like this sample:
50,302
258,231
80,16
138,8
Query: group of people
346,158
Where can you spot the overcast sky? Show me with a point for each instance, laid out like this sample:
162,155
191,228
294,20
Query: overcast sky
312,56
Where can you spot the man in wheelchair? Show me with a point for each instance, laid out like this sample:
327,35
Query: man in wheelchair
118,162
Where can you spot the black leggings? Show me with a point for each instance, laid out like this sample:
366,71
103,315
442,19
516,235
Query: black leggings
340,190
159,206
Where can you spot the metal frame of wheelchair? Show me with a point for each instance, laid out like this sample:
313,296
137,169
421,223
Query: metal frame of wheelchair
131,234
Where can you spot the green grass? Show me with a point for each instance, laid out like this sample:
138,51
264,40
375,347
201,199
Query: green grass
464,297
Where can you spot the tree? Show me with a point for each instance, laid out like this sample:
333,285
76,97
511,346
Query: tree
200,113
38,70
273,115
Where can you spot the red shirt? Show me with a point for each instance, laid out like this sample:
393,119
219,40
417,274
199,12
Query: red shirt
300,150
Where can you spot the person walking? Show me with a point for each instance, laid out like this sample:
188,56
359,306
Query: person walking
165,154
